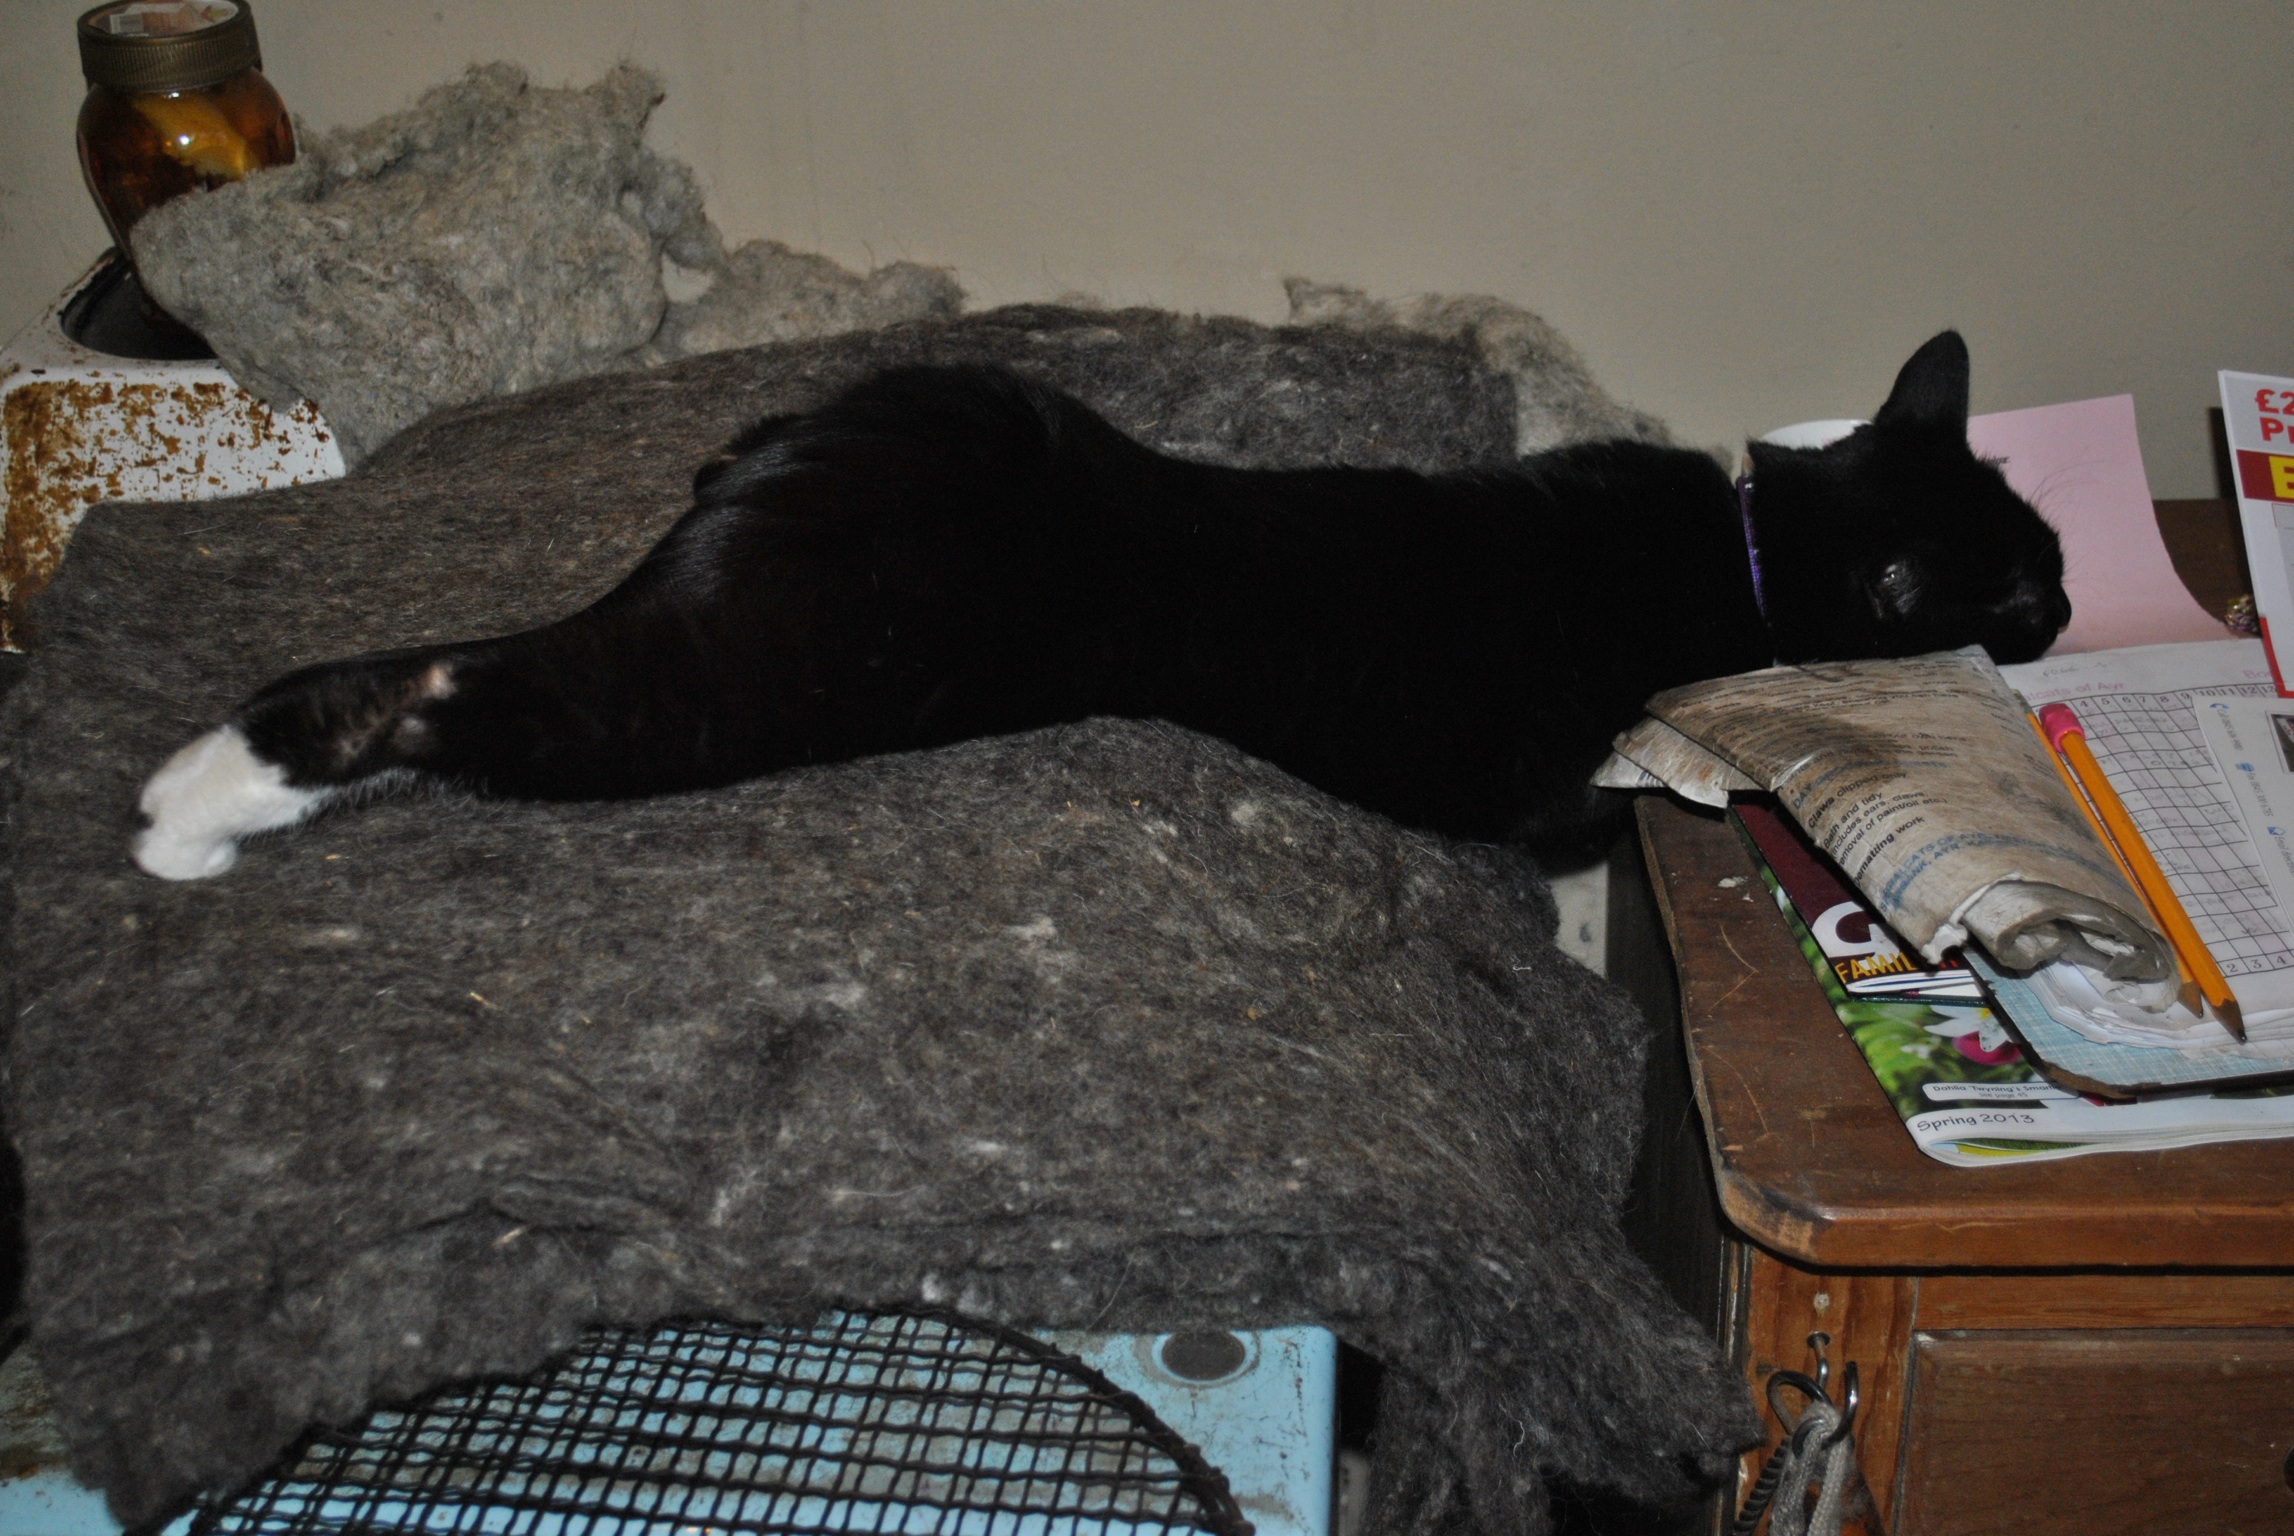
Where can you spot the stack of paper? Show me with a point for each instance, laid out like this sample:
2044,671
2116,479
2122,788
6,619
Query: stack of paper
2192,740
2072,997
1926,782
1965,1091
1924,778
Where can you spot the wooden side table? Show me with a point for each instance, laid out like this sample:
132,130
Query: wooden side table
2095,1345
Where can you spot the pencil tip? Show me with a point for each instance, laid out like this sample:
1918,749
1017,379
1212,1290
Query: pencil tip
2232,1019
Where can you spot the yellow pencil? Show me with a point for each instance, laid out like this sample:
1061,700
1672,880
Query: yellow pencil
2192,998
2060,724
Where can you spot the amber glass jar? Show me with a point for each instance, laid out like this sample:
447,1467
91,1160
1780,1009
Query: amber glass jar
176,100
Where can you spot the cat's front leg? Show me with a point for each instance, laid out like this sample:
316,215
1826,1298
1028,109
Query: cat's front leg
302,742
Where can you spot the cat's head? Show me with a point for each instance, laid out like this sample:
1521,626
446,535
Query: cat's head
1897,540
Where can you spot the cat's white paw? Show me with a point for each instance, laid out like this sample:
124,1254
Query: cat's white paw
207,797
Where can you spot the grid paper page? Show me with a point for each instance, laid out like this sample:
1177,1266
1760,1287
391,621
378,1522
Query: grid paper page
2158,760
2140,710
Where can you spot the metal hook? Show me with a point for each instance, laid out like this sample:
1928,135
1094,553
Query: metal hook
1799,1383
1819,1342
1851,1398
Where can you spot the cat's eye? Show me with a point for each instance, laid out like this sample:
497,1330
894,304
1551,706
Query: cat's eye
1897,587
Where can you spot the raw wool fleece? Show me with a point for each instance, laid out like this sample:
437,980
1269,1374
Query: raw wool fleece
1555,398
498,237
1105,1026
765,292
494,237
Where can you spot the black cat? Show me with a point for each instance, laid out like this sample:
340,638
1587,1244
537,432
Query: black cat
944,553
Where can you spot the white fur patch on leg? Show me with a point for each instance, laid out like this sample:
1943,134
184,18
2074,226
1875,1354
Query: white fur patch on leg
207,797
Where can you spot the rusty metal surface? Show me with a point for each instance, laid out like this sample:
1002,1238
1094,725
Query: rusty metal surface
79,427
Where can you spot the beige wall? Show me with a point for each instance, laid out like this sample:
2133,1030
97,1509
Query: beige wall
1744,213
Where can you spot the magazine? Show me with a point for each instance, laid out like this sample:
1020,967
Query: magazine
1950,1068
2258,424
1863,954
1923,778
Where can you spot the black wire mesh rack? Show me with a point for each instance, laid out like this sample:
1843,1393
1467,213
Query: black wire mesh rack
864,1423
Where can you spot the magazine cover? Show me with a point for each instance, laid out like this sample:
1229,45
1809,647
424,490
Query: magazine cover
1863,953
2258,420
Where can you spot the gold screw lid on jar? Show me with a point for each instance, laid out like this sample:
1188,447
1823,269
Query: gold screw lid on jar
167,45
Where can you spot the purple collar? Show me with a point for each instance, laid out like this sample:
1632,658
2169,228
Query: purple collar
1751,544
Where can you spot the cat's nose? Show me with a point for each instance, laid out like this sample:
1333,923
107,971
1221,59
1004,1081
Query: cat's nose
2047,602
2038,603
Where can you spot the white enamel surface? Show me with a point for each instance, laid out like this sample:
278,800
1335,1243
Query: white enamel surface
1811,434
125,429
207,797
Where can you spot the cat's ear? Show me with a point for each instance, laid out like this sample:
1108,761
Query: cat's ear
1932,389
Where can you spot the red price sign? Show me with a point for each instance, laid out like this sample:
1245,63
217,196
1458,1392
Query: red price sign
2266,476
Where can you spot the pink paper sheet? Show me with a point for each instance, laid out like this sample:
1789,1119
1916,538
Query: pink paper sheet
2081,465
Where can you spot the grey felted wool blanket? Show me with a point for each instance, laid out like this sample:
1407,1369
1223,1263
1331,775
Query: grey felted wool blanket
1103,1026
